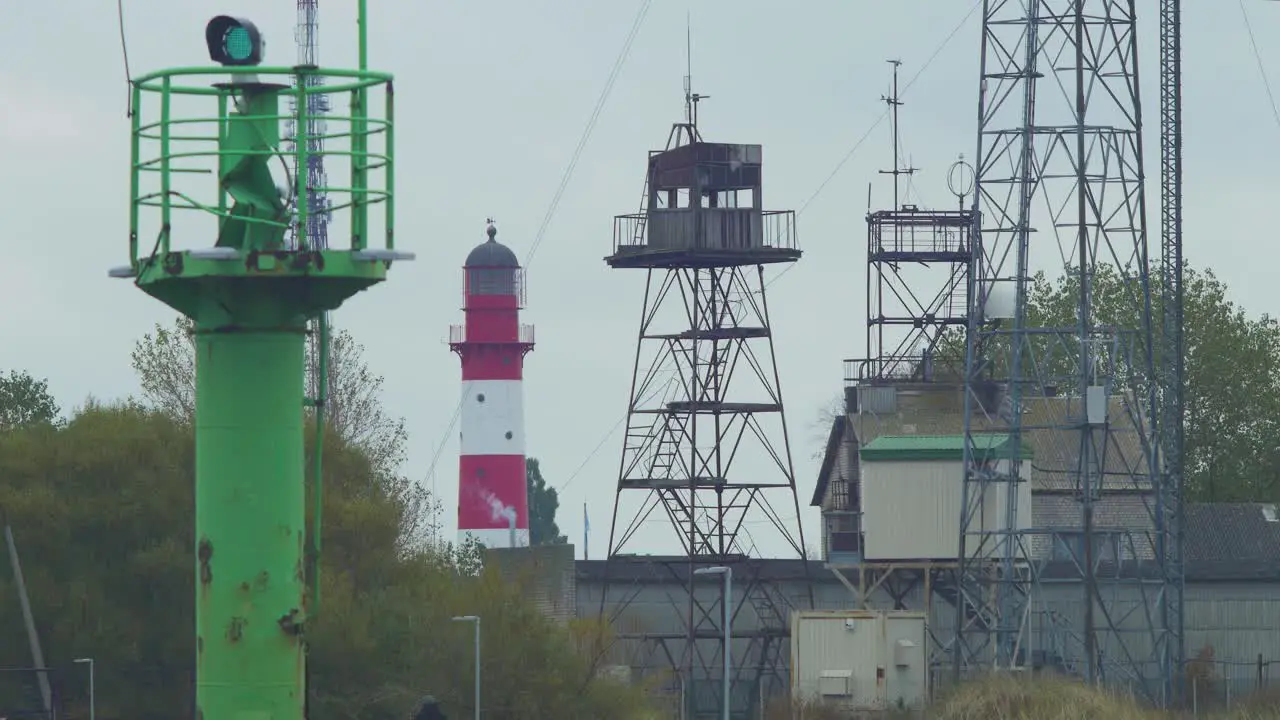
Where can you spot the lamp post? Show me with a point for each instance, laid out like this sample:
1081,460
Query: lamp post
92,699
475,619
728,587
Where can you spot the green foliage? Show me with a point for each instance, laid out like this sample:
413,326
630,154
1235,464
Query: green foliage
165,364
544,501
24,400
102,510
1232,373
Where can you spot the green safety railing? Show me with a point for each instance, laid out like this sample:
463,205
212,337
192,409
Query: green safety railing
180,153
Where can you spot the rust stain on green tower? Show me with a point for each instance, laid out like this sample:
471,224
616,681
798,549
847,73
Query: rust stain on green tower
213,206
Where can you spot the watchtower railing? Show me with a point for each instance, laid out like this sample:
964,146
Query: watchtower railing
168,147
719,229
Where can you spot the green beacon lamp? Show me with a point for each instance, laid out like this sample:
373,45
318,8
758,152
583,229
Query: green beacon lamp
233,41
217,231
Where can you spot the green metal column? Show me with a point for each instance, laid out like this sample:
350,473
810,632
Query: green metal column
250,297
250,519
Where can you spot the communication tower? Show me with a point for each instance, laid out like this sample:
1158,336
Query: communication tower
493,503
1059,131
919,262
1173,349
251,292
307,38
706,444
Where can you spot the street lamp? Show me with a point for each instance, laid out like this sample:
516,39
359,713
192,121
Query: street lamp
92,700
475,619
728,586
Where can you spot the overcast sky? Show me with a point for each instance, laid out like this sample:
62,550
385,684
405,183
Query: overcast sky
492,97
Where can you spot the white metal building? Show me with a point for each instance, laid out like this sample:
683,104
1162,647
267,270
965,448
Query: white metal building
910,494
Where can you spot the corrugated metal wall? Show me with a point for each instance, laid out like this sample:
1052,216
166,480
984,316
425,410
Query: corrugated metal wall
546,573
1236,620
911,510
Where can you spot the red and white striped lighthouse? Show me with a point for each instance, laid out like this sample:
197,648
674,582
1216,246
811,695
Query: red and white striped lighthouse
492,344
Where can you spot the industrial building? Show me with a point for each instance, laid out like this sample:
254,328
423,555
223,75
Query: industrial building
888,491
1232,567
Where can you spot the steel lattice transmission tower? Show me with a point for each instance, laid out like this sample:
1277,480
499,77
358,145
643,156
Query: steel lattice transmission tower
1060,188
306,35
1172,363
706,443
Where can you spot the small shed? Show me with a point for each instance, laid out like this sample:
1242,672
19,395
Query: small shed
911,490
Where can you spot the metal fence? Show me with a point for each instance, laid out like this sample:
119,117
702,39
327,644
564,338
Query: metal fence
1214,685
1210,685
22,694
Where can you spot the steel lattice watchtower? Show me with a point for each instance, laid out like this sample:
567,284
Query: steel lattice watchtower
706,442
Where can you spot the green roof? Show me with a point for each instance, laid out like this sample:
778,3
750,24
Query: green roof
939,447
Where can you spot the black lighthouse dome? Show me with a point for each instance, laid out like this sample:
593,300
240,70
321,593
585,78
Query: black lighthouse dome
492,254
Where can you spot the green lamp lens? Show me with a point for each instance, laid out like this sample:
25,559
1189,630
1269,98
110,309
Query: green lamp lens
237,43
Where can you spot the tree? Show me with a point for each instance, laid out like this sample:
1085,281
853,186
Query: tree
1231,382
116,484
354,407
24,400
165,363
166,366
543,503
821,428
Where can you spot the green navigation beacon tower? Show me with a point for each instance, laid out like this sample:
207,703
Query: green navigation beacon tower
207,142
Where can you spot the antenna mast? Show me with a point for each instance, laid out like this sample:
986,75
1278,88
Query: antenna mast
691,98
894,102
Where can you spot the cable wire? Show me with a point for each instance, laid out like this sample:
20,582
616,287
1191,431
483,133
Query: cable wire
1257,56
431,469
590,128
844,160
840,165
618,63
124,50
858,145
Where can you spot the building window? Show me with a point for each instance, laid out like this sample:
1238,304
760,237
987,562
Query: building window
493,281
839,493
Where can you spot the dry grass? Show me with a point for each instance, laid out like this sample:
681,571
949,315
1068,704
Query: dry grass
1007,698
1043,698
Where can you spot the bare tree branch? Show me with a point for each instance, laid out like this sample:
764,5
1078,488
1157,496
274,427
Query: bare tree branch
165,361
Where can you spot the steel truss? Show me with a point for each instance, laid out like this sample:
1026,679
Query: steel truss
1060,130
707,401
906,585
1172,349
760,613
313,176
918,263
